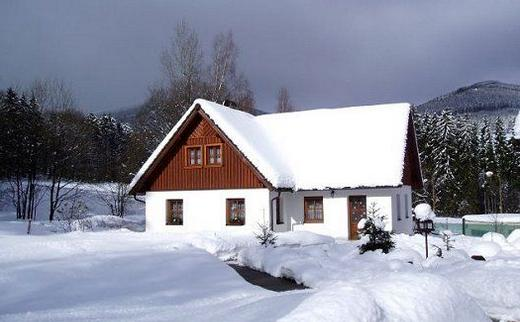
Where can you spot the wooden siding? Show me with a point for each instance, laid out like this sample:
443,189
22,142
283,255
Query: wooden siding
172,173
412,169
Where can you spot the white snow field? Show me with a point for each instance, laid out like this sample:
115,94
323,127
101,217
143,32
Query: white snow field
117,275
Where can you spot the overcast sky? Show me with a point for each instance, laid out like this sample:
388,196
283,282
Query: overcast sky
327,53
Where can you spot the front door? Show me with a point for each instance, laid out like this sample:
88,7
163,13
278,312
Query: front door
357,210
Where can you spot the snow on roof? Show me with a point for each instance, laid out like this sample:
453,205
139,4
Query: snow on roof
349,147
516,130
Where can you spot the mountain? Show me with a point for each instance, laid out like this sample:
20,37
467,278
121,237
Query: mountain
484,99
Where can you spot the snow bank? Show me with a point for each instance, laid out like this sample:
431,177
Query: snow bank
424,211
302,238
324,266
340,302
395,297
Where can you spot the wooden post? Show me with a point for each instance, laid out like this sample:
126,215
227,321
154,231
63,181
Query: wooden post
463,226
426,241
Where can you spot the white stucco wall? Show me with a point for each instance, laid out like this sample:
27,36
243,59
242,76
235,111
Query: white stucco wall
335,220
206,209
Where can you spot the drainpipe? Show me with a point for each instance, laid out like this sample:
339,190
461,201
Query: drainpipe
271,221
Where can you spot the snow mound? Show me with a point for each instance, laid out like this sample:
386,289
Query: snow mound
423,211
336,304
485,248
423,297
514,236
494,237
394,297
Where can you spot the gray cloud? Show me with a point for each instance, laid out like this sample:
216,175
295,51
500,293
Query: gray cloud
328,53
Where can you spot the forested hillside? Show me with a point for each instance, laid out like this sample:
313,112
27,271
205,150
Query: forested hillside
489,98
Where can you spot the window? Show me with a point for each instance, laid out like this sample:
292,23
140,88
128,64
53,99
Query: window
194,156
313,208
279,217
406,209
235,212
173,212
398,206
214,154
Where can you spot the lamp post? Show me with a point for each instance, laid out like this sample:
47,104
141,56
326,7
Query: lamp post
424,227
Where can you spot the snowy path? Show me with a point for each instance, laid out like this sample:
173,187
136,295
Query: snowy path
125,276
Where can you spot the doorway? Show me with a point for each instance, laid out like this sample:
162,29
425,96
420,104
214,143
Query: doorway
357,210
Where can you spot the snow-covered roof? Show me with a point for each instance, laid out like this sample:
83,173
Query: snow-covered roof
516,130
348,147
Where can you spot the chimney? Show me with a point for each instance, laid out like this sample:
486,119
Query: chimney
229,103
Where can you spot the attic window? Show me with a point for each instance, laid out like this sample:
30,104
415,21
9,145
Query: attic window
214,154
313,208
194,156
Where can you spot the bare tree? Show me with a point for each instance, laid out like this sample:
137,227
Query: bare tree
33,198
225,82
284,101
115,197
222,71
52,94
182,65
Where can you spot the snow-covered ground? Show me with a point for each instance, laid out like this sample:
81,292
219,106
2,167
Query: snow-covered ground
125,275
120,273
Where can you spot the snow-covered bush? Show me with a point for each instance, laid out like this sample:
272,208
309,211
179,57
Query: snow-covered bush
73,215
373,229
266,236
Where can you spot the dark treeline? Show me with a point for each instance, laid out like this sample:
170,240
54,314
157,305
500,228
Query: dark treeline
59,146
468,167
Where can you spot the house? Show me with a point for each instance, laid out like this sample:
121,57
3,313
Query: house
316,170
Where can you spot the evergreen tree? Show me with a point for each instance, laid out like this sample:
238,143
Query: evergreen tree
373,230
445,186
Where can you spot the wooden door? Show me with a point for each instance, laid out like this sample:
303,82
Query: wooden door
357,210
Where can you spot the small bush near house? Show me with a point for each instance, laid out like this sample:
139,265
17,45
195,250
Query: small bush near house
266,236
373,229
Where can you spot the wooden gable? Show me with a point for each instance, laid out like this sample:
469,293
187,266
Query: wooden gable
412,167
171,172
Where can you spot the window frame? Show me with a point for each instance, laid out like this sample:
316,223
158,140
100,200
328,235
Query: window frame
170,214
406,206
398,206
307,220
187,159
206,155
279,216
229,202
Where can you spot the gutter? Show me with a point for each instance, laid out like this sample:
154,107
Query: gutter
137,199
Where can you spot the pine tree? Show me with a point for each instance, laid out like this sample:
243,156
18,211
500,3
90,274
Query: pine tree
373,228
446,188
266,236
466,167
